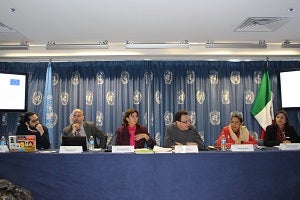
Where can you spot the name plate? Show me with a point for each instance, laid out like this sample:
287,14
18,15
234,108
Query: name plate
122,149
3,149
186,149
289,146
70,149
242,147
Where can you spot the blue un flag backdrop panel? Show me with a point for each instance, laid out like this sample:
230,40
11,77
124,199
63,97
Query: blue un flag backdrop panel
209,90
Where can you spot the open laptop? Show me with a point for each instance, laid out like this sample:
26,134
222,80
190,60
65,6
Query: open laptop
75,141
22,143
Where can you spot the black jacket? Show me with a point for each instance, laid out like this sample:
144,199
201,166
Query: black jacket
271,134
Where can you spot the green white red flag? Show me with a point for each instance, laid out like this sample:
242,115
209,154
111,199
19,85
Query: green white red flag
262,107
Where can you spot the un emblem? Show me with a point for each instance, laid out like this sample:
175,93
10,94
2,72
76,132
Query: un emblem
235,77
110,98
180,97
100,77
168,77
214,117
37,98
137,97
124,77
190,77
168,117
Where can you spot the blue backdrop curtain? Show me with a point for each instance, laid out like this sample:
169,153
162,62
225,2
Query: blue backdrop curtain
209,90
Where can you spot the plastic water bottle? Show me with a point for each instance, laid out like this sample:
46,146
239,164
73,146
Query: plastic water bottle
223,143
91,143
3,140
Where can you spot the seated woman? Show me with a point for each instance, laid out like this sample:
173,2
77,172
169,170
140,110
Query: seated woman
132,133
235,133
280,131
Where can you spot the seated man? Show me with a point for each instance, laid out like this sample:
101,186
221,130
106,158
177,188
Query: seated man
79,127
181,132
29,124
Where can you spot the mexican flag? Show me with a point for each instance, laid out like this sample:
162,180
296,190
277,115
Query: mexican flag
262,107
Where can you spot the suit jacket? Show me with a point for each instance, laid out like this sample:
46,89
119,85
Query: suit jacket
90,129
41,141
271,134
123,137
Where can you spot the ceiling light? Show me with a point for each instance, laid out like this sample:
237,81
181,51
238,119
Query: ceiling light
54,46
21,46
288,44
260,45
179,45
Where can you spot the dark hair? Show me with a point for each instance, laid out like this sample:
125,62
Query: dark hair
237,115
286,116
179,113
25,117
128,112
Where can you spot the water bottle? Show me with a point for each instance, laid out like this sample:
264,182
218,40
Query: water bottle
3,140
91,143
223,143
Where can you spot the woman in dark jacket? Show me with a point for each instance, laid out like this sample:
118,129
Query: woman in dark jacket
280,131
131,133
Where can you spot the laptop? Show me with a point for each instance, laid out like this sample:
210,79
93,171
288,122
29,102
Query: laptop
75,141
22,143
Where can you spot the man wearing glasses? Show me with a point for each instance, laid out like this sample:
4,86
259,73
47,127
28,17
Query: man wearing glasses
181,132
29,124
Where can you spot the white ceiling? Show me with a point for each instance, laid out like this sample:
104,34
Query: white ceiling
145,21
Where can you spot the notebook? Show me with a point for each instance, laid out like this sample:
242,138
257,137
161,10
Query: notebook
75,141
22,143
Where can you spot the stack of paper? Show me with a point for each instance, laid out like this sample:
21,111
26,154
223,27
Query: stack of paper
158,149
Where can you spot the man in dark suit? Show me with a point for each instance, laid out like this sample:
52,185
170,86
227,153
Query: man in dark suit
79,127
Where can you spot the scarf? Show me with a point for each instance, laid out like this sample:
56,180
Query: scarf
244,134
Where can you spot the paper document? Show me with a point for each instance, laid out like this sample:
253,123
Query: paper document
158,149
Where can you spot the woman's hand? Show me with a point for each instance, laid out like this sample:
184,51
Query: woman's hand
141,136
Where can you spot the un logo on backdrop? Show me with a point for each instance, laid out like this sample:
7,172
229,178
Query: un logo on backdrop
55,79
190,77
99,118
214,117
100,77
249,97
110,98
200,96
64,98
37,98
180,97
124,77
148,77
168,77
75,78
257,77
213,77
235,77
157,97
137,97
225,97
168,117
89,98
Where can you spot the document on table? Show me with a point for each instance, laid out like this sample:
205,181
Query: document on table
158,149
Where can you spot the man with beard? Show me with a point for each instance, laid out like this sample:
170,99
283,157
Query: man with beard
79,127
29,124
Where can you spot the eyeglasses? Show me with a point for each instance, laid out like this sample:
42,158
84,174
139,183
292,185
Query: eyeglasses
186,122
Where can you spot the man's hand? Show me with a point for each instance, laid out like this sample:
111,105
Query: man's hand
40,129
